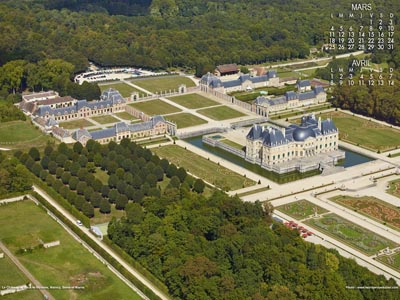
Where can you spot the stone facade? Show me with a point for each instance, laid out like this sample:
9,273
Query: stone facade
271,146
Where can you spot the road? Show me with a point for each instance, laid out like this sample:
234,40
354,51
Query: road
110,251
31,278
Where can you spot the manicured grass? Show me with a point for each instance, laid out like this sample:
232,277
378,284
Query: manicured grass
10,275
351,234
68,264
301,209
125,89
233,144
162,84
22,135
372,207
102,176
193,101
155,107
75,124
100,218
203,168
364,133
126,116
394,188
106,119
221,113
263,189
184,120
153,141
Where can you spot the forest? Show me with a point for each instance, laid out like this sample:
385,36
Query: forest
200,247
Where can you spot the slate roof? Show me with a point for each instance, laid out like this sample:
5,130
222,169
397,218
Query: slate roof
56,100
273,137
303,83
214,82
291,95
109,98
118,128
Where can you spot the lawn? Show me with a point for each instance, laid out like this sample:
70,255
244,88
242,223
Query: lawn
106,119
301,209
256,191
232,144
22,135
365,133
184,120
163,84
68,264
100,218
203,168
125,89
10,275
102,176
372,207
351,234
394,188
155,107
75,124
193,101
126,116
221,113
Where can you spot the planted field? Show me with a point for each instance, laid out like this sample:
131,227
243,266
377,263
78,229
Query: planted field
203,168
155,107
68,264
22,135
301,209
372,207
351,234
125,89
75,124
106,119
10,275
184,120
163,84
365,133
193,101
221,113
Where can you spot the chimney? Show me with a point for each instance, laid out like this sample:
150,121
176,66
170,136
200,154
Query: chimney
283,131
319,123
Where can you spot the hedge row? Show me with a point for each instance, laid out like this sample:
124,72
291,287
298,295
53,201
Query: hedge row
111,260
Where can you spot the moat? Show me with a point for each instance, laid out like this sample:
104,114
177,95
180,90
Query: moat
352,159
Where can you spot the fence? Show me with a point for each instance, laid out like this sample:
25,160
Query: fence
189,134
216,143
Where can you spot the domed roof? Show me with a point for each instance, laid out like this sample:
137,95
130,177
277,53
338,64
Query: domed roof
302,133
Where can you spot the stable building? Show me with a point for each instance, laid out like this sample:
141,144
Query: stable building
157,125
110,101
312,144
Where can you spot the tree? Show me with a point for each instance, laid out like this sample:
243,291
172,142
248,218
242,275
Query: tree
45,162
43,174
65,177
159,173
73,182
80,187
134,213
82,160
112,195
121,202
199,186
95,199
52,167
181,173
105,189
88,209
164,164
61,159
34,153
105,207
174,182
47,150
87,193
77,147
36,169
171,170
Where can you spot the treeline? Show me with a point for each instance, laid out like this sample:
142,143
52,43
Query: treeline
174,33
48,74
222,248
133,173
